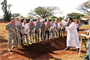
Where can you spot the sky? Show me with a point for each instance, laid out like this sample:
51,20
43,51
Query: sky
23,6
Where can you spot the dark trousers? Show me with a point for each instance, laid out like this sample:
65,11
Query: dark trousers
47,32
21,39
61,31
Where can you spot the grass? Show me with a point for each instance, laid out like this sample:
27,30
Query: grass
2,26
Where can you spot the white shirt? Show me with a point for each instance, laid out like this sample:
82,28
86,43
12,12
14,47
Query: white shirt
62,26
55,25
26,27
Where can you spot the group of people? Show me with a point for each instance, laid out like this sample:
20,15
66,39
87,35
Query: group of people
43,29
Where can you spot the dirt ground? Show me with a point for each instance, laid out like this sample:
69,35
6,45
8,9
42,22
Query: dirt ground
52,49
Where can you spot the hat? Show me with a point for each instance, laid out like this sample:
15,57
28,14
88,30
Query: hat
31,20
12,18
17,19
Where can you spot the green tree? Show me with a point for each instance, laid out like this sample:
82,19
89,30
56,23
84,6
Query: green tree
15,15
43,11
61,18
84,7
7,14
53,17
29,17
75,15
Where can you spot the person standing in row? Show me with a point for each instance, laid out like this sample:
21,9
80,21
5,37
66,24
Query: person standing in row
11,27
61,29
37,26
48,25
19,27
55,27
25,31
52,28
31,29
43,30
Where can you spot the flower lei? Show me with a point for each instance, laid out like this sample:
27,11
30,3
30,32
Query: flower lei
37,23
42,25
66,30
31,24
12,25
48,22
55,23
52,23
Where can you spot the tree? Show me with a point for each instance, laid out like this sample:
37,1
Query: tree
85,7
43,11
15,15
53,17
61,18
7,14
76,15
29,17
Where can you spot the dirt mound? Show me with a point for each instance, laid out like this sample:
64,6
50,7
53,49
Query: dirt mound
45,47
35,50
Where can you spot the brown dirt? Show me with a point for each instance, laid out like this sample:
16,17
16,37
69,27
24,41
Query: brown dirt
38,49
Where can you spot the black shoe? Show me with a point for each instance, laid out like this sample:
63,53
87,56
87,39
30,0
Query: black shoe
77,51
66,49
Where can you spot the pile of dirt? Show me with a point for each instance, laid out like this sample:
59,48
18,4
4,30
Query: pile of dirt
44,47
35,50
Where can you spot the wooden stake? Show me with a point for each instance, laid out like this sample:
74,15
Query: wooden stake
24,35
19,36
80,46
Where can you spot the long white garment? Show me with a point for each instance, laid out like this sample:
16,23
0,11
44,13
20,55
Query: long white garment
72,36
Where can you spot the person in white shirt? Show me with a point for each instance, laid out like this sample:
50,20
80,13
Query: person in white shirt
52,27
61,29
25,31
55,27
77,24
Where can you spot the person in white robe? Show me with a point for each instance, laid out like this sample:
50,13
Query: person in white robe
72,35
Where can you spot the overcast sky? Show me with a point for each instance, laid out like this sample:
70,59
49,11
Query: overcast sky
23,6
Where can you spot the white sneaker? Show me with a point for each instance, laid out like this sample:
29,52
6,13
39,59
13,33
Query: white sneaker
13,47
9,50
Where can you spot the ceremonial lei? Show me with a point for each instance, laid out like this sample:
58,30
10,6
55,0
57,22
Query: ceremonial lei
12,25
52,23
65,34
37,23
31,24
42,25
56,24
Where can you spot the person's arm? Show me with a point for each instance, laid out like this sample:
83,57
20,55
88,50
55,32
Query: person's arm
7,27
72,26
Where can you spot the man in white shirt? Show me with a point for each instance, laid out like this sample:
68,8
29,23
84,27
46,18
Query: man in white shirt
61,29
55,27
25,31
52,28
